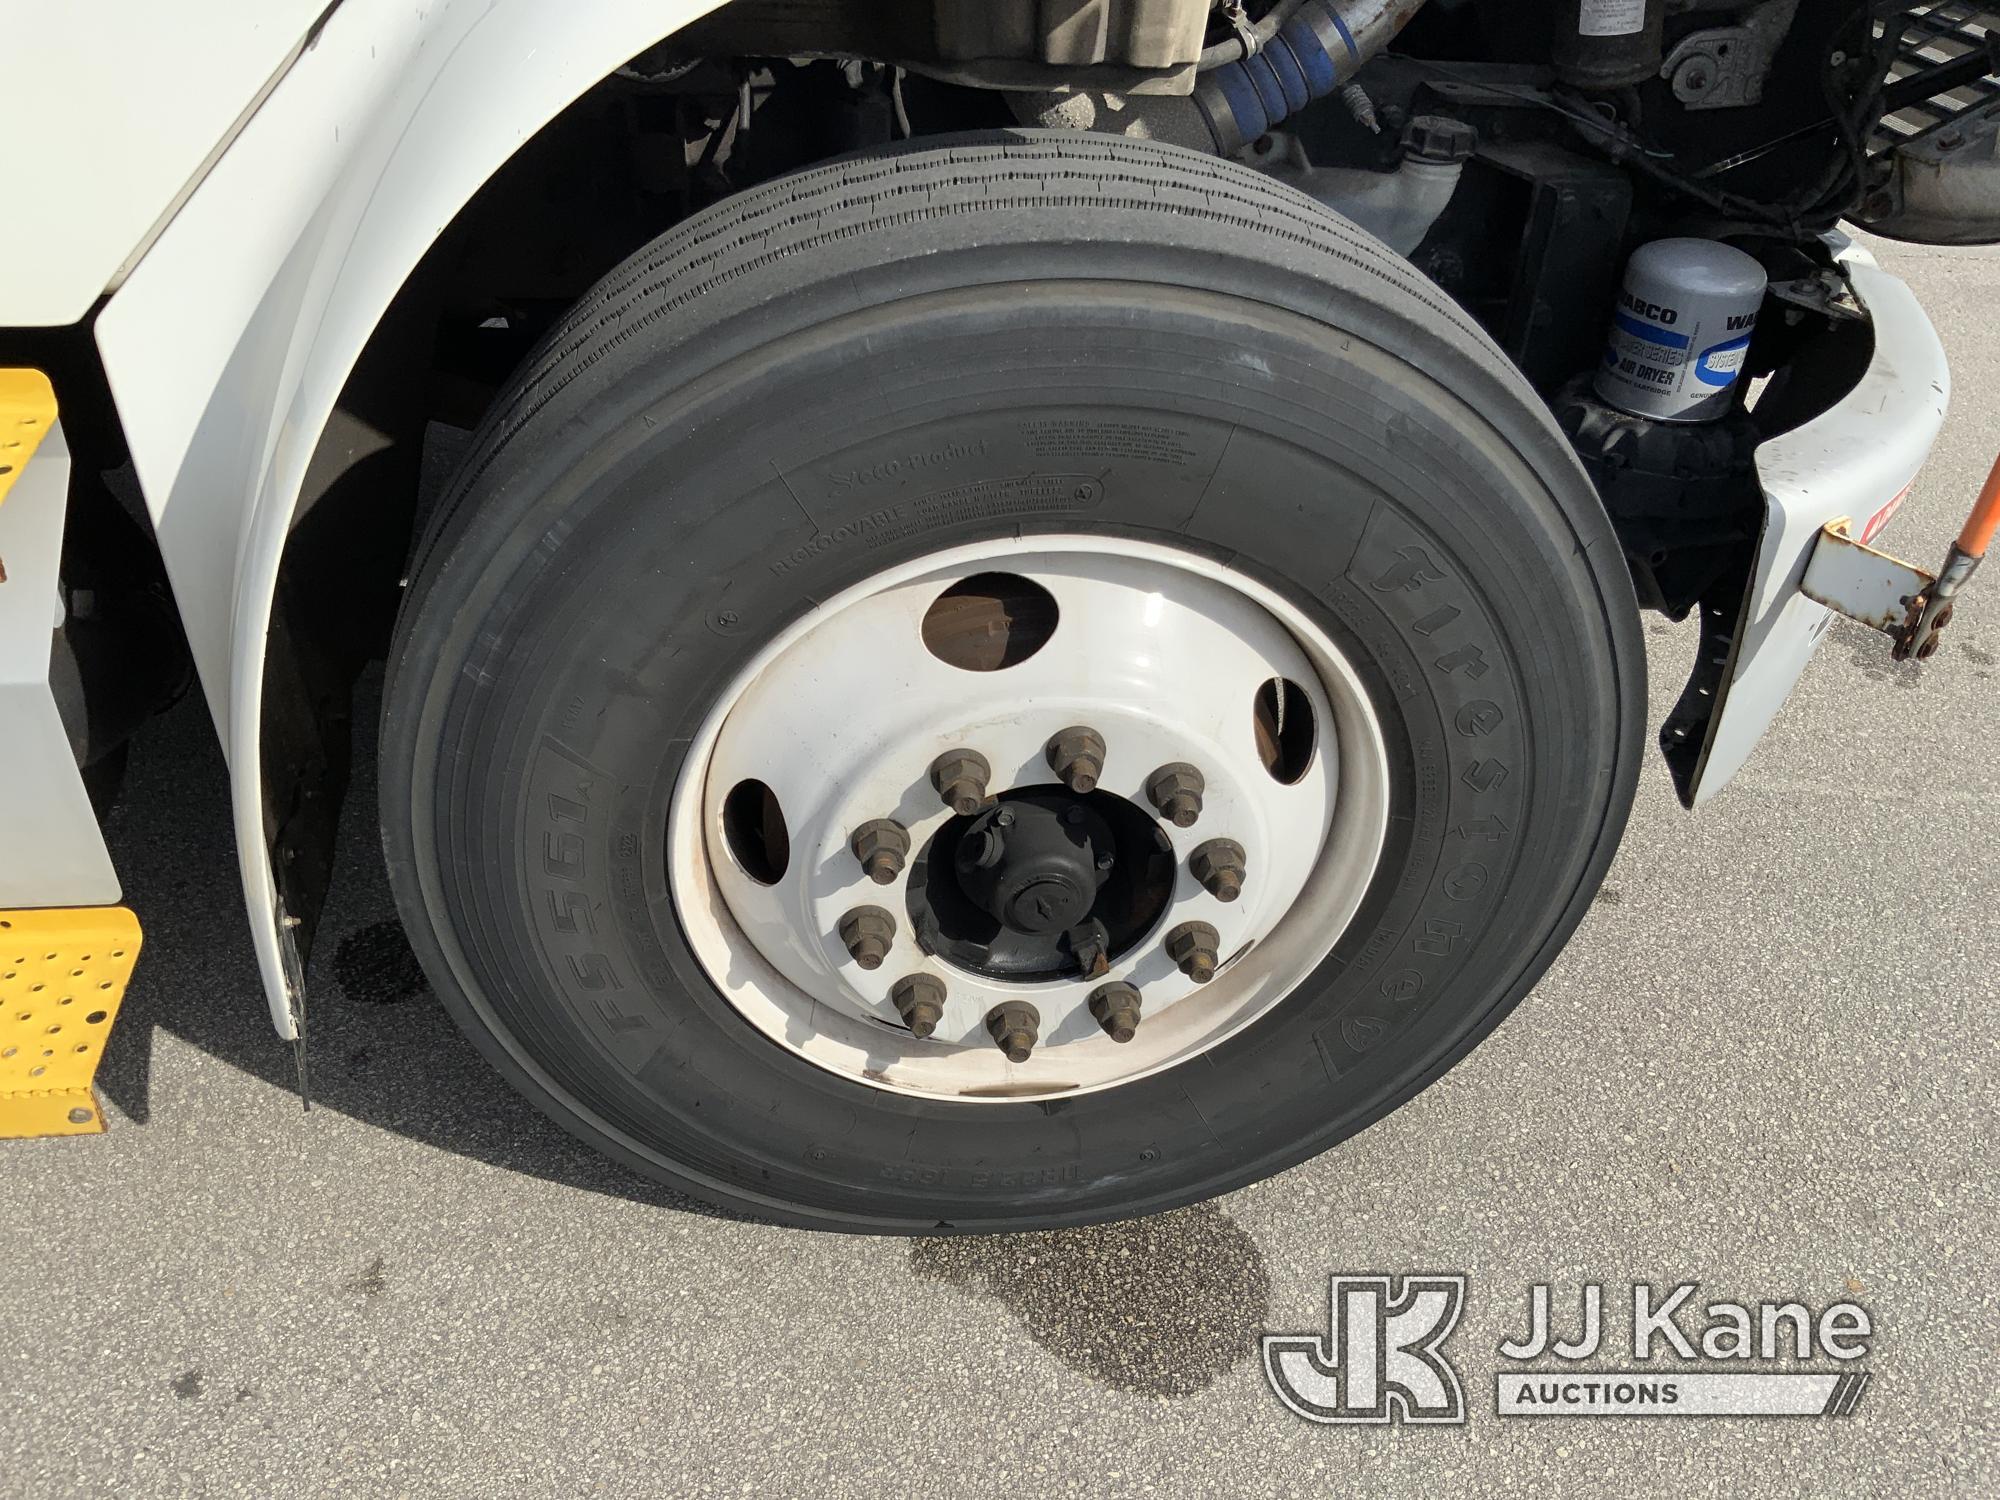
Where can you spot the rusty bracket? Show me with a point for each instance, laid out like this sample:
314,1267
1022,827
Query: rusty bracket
1884,593
1901,601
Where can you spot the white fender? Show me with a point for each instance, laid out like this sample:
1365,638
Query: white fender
228,344
109,110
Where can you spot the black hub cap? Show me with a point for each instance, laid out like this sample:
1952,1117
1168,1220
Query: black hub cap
1032,867
1045,884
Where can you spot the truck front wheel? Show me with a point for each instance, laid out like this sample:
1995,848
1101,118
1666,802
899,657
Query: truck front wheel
1004,685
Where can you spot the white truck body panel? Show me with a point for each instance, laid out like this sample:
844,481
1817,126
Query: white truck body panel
51,849
229,342
110,109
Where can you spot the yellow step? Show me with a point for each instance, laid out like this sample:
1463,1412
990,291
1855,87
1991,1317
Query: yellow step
63,973
27,410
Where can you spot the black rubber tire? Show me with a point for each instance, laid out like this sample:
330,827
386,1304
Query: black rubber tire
876,359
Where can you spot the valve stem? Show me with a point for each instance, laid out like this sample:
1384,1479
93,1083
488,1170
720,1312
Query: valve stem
1355,98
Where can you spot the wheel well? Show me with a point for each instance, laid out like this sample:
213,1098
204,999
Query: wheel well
650,144
560,213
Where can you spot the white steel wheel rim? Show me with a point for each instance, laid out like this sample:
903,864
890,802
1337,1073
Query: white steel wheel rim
841,716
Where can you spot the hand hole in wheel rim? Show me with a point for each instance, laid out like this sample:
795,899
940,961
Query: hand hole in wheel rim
1283,718
754,826
989,622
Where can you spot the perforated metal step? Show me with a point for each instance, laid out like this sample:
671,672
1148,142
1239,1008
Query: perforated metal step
62,977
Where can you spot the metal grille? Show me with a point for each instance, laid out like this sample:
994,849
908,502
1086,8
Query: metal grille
1936,43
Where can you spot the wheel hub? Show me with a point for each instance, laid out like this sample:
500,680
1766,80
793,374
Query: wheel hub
1057,873
1042,885
1034,866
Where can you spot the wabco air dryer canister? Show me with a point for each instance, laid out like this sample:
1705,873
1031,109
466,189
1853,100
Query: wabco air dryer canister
1681,329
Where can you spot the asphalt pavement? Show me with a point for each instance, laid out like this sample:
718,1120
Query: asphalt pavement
1769,1062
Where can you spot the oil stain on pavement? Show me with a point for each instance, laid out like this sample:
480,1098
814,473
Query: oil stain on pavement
371,1282
1159,1307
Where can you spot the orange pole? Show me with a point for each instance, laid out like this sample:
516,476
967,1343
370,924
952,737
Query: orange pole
1985,517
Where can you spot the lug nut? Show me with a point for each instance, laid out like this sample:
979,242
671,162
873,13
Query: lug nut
1076,755
1015,1027
867,932
960,777
881,845
1175,789
919,1000
1116,1007
1194,948
1219,866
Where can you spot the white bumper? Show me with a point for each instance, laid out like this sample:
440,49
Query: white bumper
1856,459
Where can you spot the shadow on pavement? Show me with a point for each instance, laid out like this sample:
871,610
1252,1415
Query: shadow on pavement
382,1049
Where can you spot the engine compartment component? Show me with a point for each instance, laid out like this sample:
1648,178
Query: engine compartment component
1607,44
1134,46
1315,54
1683,496
1681,331
1724,67
1398,207
1945,188
1153,34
